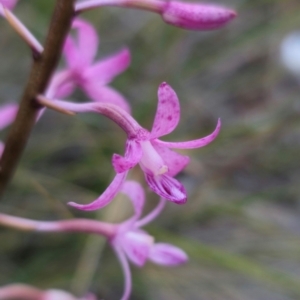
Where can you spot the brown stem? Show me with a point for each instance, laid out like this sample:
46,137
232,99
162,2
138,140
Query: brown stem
40,75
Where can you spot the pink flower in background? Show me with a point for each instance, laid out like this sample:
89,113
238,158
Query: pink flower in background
132,243
7,116
26,292
159,163
92,77
128,240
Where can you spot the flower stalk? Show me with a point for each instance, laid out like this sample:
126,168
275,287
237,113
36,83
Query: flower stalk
186,15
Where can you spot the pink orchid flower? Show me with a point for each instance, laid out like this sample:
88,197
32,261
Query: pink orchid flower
159,163
186,15
127,239
92,77
23,291
7,115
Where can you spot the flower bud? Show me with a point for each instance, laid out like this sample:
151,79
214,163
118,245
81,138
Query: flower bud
167,255
194,16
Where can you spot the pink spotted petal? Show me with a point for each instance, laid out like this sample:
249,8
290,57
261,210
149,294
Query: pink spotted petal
194,143
105,70
81,50
10,4
133,155
136,194
107,196
137,245
167,187
8,113
167,255
105,94
167,113
194,16
176,162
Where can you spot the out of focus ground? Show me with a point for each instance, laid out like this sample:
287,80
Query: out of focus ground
241,225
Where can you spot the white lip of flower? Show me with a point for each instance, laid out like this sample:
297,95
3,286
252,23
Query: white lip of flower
151,160
164,169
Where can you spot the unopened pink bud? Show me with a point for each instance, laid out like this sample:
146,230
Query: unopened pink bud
194,16
167,255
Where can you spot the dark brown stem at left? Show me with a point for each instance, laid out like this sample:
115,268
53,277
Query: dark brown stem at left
38,81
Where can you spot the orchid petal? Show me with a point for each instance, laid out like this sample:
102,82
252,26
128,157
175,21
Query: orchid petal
100,93
105,70
133,155
137,245
167,187
167,113
105,198
65,90
126,271
176,162
152,215
8,114
70,52
89,296
61,85
81,53
194,143
167,255
136,194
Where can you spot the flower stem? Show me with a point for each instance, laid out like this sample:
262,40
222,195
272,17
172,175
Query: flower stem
20,291
39,78
73,225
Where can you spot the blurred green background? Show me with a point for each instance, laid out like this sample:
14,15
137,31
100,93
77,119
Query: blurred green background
241,224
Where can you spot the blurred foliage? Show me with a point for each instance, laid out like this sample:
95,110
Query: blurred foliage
241,225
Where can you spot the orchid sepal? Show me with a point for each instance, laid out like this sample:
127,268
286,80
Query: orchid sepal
106,197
